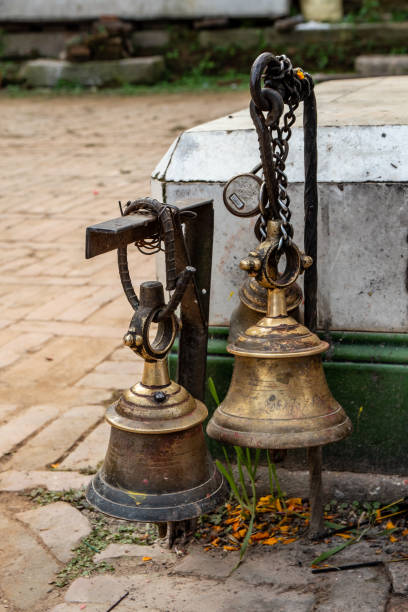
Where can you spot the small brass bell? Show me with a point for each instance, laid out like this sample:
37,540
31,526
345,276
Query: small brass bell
278,396
157,467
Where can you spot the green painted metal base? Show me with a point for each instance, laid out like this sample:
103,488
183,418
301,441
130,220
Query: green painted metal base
368,375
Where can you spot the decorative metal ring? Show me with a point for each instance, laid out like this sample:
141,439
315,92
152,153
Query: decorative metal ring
165,335
292,268
235,210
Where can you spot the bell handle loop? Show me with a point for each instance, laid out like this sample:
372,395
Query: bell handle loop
165,215
293,266
165,335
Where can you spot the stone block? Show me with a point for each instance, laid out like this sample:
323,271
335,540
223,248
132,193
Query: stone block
99,589
60,526
34,44
150,39
23,425
365,590
380,65
362,164
91,451
26,568
13,480
56,438
397,604
67,10
48,73
189,594
399,578
118,551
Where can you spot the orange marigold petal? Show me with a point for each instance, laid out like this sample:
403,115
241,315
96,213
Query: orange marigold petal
270,541
262,535
146,558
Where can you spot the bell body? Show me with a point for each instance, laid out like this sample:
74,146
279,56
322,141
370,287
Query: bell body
157,467
278,397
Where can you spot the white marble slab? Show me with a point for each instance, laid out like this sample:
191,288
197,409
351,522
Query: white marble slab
363,191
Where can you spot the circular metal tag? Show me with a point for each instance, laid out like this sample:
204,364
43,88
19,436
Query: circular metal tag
241,195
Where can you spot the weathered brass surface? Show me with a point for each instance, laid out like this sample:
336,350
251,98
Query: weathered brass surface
252,306
156,404
279,403
278,397
277,335
157,467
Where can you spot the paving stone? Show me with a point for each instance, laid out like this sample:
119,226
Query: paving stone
186,594
23,425
25,343
51,442
116,551
91,451
100,589
365,590
47,73
58,304
6,410
60,526
26,568
66,607
53,480
59,328
83,308
397,604
61,363
399,577
274,567
150,39
114,375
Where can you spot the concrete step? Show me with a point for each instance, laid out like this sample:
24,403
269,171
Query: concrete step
49,72
379,65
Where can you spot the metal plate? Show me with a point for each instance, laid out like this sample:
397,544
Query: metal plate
241,195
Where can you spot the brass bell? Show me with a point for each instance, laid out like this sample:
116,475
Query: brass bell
278,396
157,467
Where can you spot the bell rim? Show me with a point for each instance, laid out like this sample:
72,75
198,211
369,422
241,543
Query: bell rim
270,441
209,495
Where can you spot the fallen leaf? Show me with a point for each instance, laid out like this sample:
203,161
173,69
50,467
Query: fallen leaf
262,535
270,541
146,558
230,548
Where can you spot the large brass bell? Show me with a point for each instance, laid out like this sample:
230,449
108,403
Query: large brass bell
157,467
278,397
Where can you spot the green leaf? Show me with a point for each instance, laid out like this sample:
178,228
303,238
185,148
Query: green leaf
231,482
244,544
332,551
213,391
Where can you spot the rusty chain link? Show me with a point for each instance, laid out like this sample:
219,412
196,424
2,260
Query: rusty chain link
168,217
283,85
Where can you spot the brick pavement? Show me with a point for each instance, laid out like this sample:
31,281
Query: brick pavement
64,164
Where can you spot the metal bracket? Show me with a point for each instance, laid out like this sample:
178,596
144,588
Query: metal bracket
193,247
